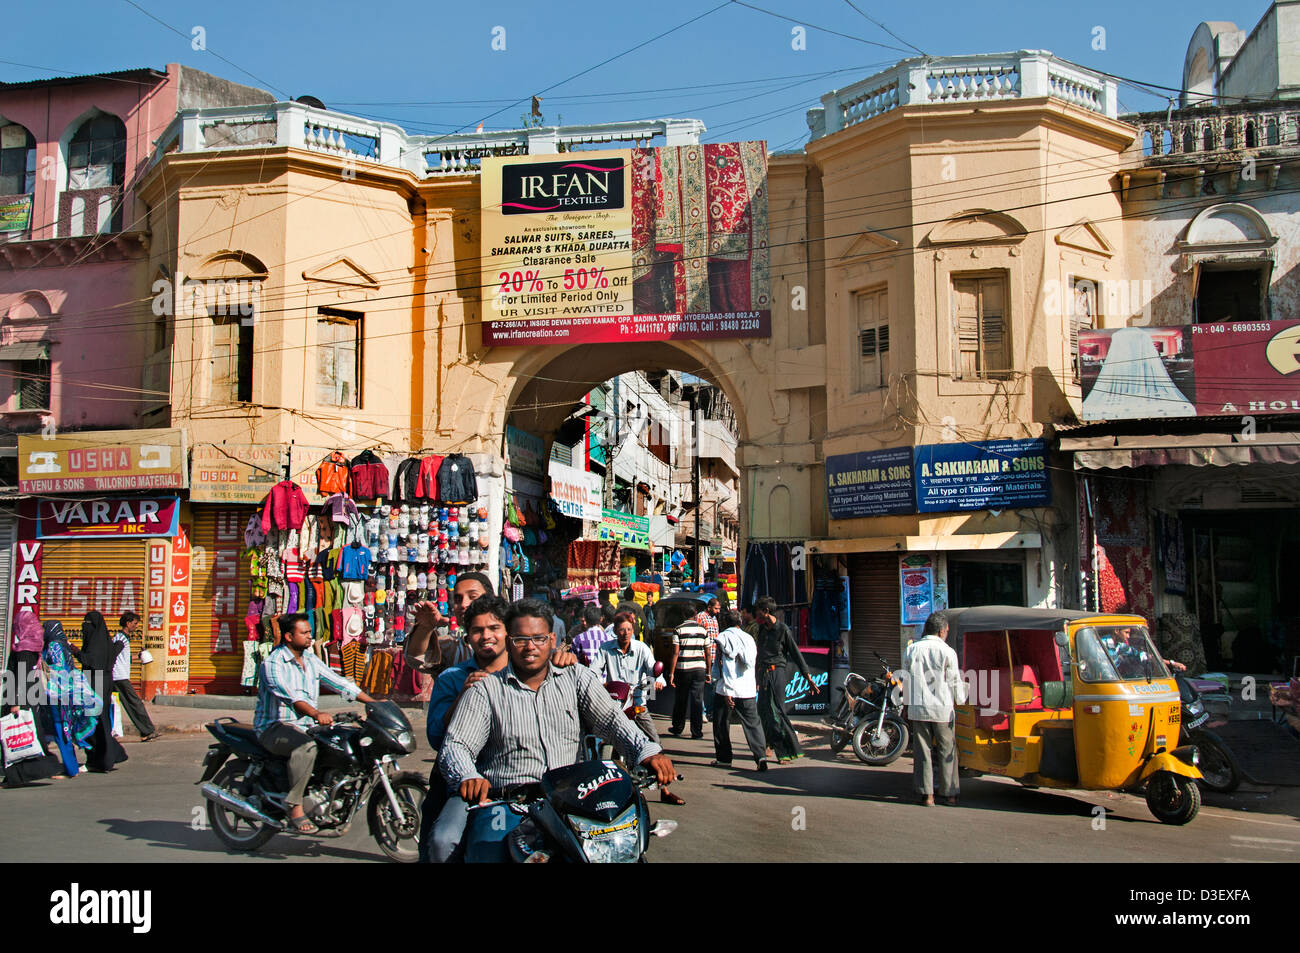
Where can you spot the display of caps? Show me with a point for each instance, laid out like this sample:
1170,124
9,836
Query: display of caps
445,580
482,512
442,595
442,607
422,581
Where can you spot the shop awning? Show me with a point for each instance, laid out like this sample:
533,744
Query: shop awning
906,544
26,351
1190,450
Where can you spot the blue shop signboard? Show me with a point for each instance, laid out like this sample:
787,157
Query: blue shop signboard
988,475
871,483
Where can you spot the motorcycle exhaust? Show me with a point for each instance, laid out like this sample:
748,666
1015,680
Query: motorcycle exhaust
238,805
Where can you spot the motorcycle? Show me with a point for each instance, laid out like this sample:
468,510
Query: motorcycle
871,718
592,812
356,764
621,692
1219,770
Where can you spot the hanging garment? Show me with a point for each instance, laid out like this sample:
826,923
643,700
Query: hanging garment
249,674
456,481
341,509
334,475
369,476
378,678
404,481
354,661
426,482
285,507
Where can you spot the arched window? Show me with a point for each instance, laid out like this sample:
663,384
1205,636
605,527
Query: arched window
97,154
17,160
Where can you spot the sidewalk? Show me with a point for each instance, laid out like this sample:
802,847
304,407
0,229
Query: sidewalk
190,714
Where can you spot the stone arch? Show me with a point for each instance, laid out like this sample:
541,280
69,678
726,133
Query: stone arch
231,264
1230,224
976,226
30,306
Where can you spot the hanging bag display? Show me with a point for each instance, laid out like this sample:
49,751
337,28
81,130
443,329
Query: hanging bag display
18,736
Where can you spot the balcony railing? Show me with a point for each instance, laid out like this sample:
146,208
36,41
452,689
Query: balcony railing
90,211
353,138
921,81
1200,132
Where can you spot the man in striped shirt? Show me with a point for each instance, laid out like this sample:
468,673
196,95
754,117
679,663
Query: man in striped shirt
287,697
513,726
587,643
687,672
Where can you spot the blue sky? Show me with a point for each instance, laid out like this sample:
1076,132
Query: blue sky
431,67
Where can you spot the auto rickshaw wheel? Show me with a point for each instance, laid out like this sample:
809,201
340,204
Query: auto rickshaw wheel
1172,798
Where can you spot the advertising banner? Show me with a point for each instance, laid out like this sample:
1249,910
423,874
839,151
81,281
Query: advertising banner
16,215
71,519
525,453
576,492
799,699
234,473
916,588
988,475
630,532
102,460
871,483
1198,370
626,245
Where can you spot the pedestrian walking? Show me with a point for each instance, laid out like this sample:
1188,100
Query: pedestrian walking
20,691
777,652
934,688
735,692
587,643
129,626
73,710
98,652
687,672
709,619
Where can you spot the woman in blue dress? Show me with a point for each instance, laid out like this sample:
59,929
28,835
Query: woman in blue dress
73,707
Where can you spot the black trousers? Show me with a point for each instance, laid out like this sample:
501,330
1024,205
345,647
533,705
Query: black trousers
134,707
746,712
690,692
104,751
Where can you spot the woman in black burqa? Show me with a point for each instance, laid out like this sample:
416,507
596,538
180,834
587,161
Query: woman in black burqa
98,651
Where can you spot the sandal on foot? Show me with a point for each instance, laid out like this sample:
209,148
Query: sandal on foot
303,825
668,797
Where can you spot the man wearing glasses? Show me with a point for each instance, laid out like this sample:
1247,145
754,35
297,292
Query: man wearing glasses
515,725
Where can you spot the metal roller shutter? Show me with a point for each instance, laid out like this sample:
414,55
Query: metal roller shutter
873,587
107,575
219,587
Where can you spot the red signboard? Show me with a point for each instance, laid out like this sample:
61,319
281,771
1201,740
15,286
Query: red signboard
69,519
1198,370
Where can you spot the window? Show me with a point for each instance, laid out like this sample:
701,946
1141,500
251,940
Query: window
873,340
980,327
17,160
1082,316
338,358
32,384
97,154
232,358
1230,294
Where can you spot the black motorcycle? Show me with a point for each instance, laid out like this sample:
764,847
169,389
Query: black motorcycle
592,812
870,716
356,763
1219,770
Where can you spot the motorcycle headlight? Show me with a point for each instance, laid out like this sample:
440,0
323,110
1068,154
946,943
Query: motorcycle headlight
404,739
610,842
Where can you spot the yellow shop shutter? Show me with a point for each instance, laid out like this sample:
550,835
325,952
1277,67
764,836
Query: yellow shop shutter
219,592
107,575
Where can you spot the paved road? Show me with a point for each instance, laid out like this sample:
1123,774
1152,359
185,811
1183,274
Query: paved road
822,809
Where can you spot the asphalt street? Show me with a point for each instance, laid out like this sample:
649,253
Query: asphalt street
821,809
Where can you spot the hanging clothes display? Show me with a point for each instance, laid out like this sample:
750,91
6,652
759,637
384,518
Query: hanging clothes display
369,476
771,570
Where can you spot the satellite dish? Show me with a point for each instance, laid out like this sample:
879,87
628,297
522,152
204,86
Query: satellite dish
310,101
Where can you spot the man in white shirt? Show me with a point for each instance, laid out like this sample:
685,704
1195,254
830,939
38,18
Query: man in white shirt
934,688
736,691
129,626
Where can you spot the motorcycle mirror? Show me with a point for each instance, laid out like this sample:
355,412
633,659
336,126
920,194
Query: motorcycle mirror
658,669
663,828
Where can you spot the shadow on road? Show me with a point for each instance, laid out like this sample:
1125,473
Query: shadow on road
174,835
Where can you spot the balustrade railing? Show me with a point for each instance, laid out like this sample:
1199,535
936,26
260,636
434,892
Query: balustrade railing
1202,131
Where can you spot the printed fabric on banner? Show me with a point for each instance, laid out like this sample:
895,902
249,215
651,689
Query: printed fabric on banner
1125,574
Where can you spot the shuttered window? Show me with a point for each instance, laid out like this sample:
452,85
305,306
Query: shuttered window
980,328
220,589
1083,315
874,612
232,358
873,340
32,384
338,358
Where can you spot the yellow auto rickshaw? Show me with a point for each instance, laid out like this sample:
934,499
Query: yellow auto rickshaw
1060,698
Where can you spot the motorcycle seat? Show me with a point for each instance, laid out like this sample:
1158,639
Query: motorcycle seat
242,732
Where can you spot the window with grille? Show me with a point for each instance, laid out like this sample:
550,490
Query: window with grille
17,160
338,358
232,358
1083,315
97,154
873,340
32,384
980,327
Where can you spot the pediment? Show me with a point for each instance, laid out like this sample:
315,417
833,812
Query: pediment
342,271
1084,236
226,265
867,243
976,227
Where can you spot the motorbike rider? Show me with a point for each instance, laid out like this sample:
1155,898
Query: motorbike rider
287,697
516,724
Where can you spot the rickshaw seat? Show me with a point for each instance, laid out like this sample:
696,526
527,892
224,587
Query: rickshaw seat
1022,676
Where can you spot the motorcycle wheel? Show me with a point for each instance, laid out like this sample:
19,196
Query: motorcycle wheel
236,832
399,837
1219,770
892,746
1172,798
